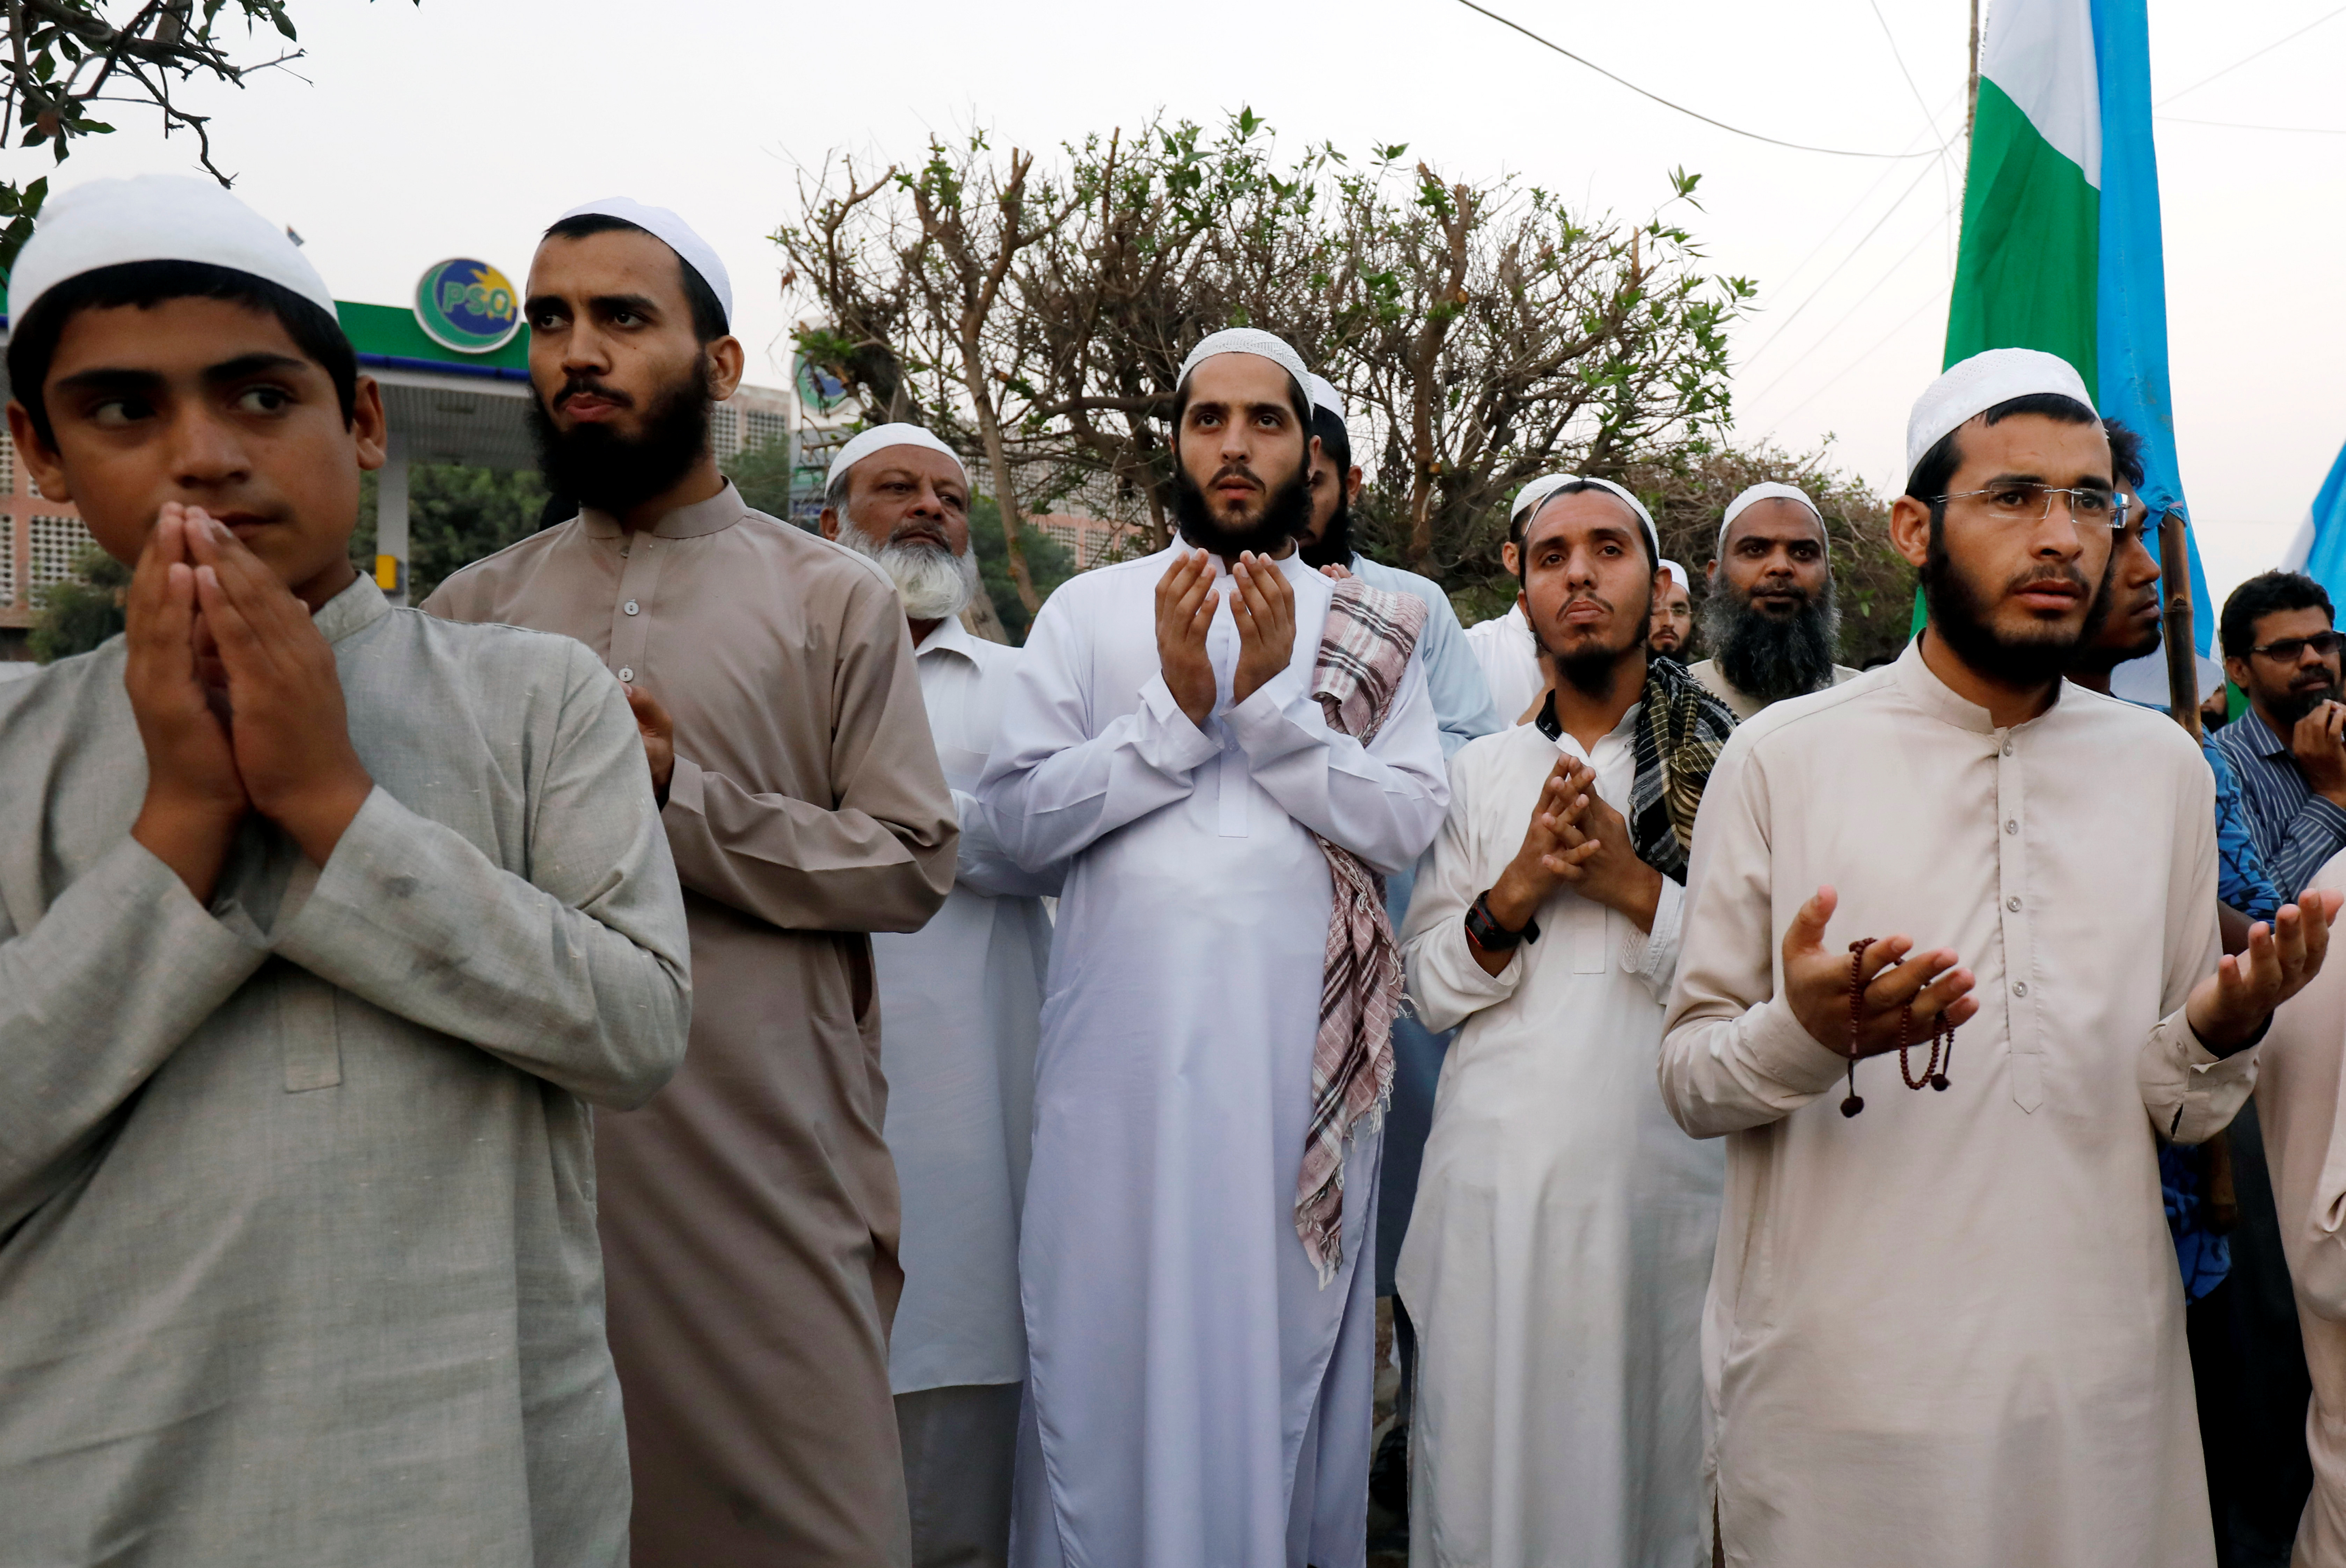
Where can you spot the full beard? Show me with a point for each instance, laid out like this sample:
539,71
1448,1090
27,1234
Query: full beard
1960,613
1286,512
596,466
2296,705
932,583
1768,659
1334,548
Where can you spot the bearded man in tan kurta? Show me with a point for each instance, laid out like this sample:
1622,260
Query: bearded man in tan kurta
748,1214
1946,1328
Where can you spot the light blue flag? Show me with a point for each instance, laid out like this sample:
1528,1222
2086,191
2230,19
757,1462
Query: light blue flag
2319,550
2130,305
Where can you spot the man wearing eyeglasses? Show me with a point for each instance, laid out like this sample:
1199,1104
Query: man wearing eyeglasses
1943,1329
2280,649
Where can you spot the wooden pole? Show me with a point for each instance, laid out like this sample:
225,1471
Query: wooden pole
2182,665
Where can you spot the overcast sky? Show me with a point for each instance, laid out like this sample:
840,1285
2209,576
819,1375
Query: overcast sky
461,126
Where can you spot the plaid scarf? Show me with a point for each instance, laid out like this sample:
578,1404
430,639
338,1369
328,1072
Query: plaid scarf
1680,728
1364,651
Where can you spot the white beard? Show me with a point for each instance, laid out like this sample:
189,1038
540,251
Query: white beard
934,584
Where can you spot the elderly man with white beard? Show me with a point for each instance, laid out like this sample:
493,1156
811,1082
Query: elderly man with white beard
960,1005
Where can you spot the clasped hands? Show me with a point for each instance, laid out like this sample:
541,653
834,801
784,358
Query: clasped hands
1262,603
1903,990
237,700
1574,839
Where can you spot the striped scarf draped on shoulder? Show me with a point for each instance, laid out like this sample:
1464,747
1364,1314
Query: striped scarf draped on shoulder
1680,730
1363,652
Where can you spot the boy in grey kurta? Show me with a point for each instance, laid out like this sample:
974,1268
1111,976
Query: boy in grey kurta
749,1213
298,1007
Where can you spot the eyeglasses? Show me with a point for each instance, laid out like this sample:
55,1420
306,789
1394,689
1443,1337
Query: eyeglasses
2288,650
2024,503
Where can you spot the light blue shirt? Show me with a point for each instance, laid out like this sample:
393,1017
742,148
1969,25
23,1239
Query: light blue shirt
1463,709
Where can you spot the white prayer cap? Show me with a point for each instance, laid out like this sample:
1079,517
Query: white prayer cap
1653,539
1532,495
1246,341
1771,491
881,436
1325,396
156,218
675,232
1678,575
1977,385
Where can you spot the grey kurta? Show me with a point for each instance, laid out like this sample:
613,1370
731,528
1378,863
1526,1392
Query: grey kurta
749,1213
297,1236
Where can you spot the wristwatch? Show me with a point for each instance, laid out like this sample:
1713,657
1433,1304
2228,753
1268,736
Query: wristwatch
1484,930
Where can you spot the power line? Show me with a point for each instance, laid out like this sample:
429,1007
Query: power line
1930,130
2244,59
1681,108
1866,353
1930,120
1892,211
1826,336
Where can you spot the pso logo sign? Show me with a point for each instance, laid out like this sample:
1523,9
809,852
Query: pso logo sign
468,306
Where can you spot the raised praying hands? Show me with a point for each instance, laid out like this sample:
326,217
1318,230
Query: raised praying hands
1922,986
1595,856
1264,607
237,699
1185,610
2227,1008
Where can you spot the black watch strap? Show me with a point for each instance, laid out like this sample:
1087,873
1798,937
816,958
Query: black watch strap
1484,928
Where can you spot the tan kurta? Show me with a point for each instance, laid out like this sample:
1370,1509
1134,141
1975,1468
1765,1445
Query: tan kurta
1742,704
1948,1332
2298,1089
748,1214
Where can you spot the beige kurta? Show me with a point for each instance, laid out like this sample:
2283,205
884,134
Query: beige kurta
1742,704
2298,1089
748,1214
1948,1332
296,1200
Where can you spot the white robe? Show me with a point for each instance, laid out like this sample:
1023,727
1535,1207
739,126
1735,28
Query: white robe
960,1010
1195,1397
1510,661
1558,1254
1948,1332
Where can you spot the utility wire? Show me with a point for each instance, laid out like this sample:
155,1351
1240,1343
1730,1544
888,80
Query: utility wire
1826,336
1929,131
1748,359
2244,59
1722,125
1866,353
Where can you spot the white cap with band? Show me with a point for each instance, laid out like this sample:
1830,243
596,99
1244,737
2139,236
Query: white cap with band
1678,575
1974,386
1324,395
878,438
1644,518
672,231
1246,341
1771,491
156,218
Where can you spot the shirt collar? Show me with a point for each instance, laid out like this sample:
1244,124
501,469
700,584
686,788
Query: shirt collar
2273,745
948,636
352,611
714,515
1923,688
1547,724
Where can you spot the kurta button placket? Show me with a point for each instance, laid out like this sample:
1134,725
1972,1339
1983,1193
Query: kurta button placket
2023,1029
638,586
629,606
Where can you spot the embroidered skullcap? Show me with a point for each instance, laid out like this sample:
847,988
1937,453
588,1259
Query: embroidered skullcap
672,231
1977,385
1646,518
1246,341
882,436
1771,491
1678,575
1324,395
156,218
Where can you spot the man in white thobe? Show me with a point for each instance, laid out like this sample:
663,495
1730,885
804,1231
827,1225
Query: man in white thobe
1945,1328
1562,1238
960,1006
1504,644
1770,622
1198,1392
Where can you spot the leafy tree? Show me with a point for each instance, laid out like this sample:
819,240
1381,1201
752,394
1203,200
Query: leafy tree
762,474
63,57
1048,564
82,611
456,513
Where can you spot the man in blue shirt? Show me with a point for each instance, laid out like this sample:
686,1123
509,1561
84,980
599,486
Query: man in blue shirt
2280,648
